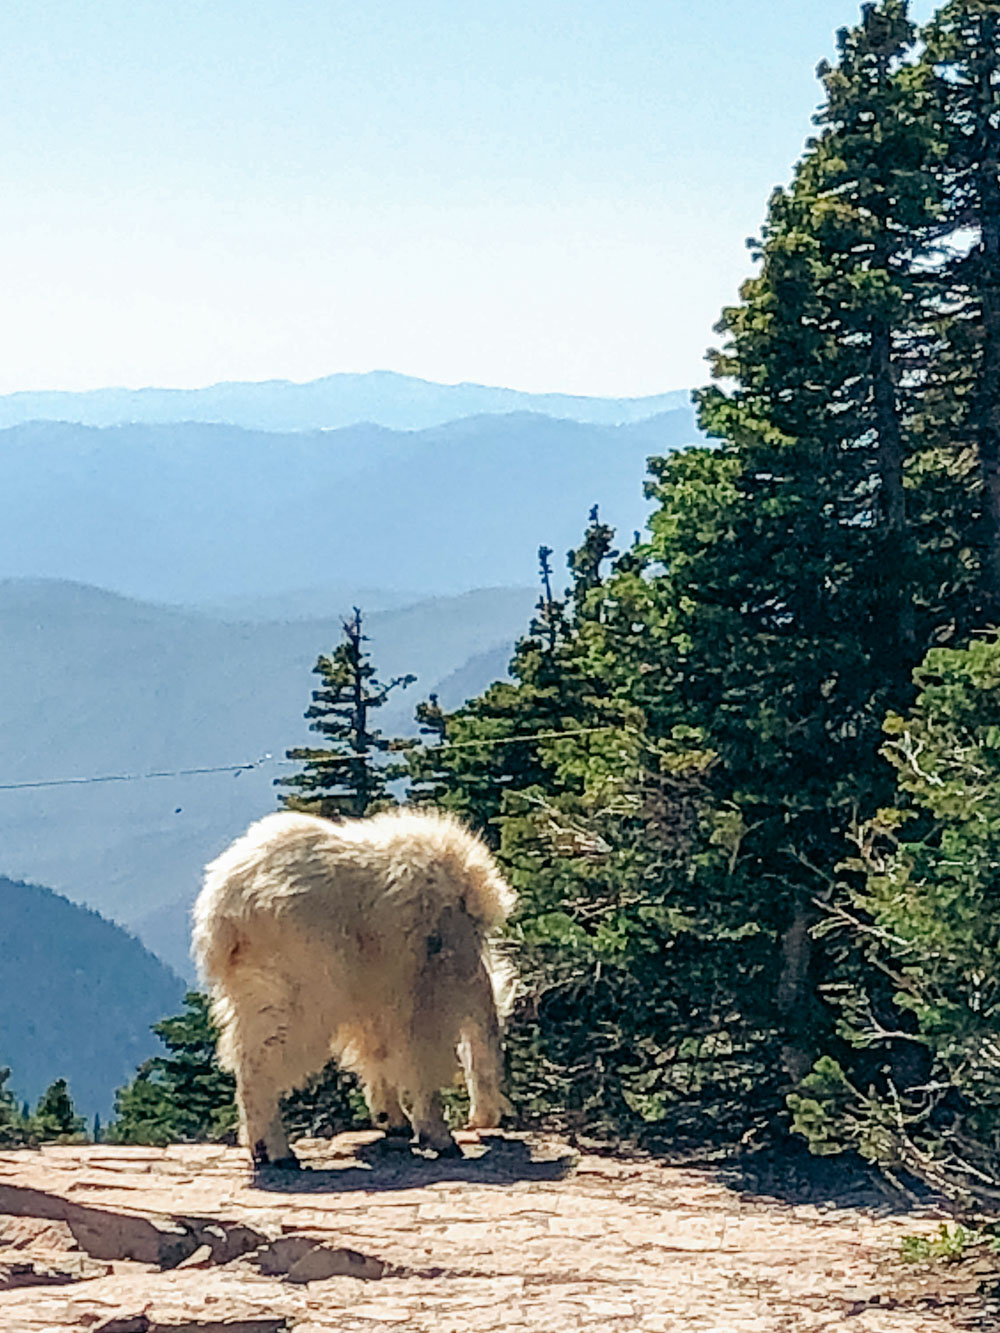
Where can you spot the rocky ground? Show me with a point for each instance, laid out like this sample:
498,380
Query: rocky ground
522,1234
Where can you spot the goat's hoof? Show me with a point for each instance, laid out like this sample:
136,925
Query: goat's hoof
397,1139
262,1162
397,1132
449,1149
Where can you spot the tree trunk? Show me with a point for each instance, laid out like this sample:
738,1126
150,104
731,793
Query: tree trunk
359,721
988,388
891,456
794,991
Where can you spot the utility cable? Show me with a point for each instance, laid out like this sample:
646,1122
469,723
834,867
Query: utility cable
247,766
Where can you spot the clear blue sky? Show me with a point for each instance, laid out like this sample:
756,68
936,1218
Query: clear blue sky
547,194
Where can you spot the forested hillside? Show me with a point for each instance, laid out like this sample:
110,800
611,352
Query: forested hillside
77,997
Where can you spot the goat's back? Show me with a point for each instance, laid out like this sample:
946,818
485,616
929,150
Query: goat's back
388,877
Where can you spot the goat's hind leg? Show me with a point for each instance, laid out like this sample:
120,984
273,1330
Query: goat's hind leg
259,1057
384,1106
426,1112
482,1058
258,1094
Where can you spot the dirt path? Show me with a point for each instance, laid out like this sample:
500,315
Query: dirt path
525,1236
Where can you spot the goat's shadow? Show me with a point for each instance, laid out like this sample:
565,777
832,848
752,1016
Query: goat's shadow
376,1166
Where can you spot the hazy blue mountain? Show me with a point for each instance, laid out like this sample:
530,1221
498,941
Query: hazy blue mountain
463,683
199,513
77,997
324,599
381,397
92,683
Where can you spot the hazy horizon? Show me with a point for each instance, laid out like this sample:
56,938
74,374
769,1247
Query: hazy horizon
551,197
672,389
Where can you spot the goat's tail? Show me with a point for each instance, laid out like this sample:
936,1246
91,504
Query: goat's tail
215,942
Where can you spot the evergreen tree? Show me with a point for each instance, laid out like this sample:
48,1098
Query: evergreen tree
16,1128
872,190
545,765
55,1116
923,911
426,777
487,749
184,1095
349,776
586,563
549,610
917,1088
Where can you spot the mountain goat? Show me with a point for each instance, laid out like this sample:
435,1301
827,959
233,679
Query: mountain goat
372,940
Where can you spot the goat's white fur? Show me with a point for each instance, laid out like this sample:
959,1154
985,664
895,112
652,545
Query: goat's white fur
372,940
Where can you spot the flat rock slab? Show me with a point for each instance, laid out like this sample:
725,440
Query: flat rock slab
522,1234
141,1323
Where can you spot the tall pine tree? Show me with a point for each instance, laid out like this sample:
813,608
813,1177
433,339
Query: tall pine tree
350,775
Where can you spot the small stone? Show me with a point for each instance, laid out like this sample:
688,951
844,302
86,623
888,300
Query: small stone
201,1258
305,1259
322,1262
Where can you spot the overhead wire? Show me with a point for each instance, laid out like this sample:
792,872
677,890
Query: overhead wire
249,765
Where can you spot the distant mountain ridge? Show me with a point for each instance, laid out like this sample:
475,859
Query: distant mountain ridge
378,397
199,513
77,997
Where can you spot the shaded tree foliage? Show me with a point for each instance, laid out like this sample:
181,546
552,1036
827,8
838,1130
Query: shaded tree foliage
923,911
16,1128
184,1095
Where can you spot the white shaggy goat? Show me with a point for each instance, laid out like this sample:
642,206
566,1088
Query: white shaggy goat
371,940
